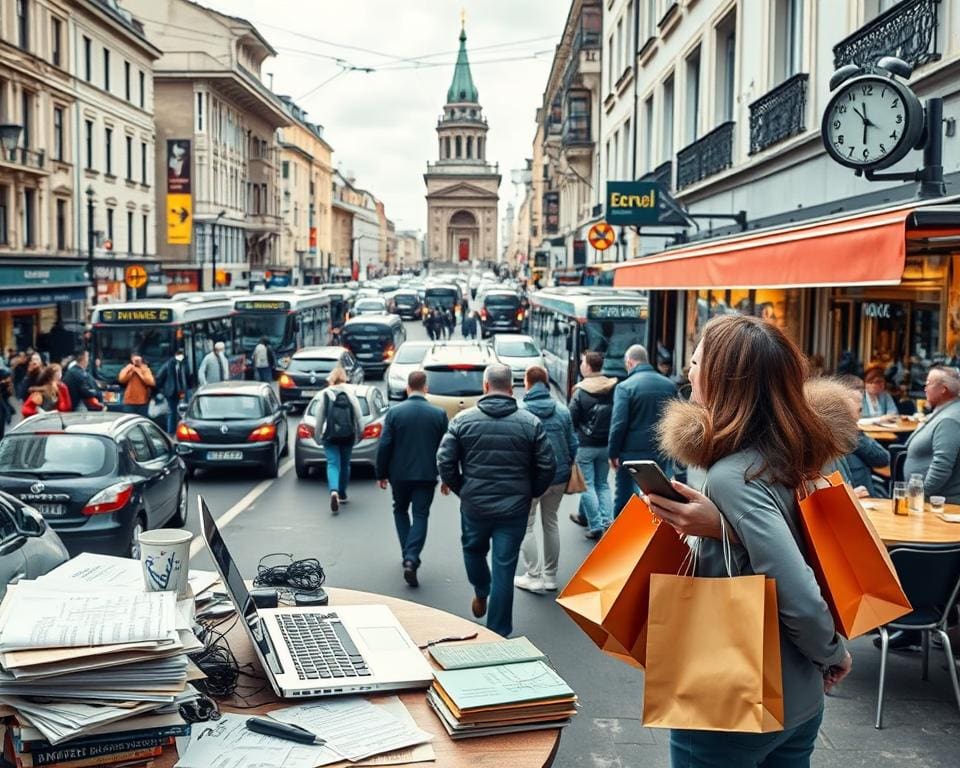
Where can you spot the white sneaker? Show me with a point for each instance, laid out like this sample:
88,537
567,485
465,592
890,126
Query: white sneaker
549,585
528,582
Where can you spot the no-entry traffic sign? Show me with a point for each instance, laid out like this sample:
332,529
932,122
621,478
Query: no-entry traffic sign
601,236
135,276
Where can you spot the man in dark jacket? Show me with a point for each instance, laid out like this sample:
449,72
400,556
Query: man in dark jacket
406,457
173,383
497,459
80,384
637,403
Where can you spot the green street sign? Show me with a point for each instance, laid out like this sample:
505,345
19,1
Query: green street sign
633,203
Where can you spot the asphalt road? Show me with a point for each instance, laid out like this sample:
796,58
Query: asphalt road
359,550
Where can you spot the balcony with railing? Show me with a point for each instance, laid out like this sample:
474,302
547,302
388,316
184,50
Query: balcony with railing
24,159
908,31
706,156
576,132
779,114
662,175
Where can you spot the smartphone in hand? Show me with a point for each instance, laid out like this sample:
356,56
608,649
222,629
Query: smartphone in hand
651,480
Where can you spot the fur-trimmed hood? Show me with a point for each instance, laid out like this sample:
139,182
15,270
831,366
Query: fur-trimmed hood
682,426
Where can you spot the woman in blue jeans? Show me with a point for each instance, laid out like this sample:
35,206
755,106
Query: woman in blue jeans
338,428
760,435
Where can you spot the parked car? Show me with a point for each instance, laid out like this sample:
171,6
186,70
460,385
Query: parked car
519,352
500,311
373,340
308,452
98,478
306,374
371,305
29,547
455,374
233,424
408,359
406,303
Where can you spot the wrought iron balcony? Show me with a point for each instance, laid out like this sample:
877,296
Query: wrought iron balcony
705,157
662,175
576,130
25,158
908,31
779,114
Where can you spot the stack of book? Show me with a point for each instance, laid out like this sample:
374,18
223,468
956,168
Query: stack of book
92,677
496,688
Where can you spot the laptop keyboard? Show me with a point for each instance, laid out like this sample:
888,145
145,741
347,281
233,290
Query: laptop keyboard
321,647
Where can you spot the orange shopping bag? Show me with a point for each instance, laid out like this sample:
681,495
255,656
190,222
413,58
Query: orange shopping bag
713,655
607,596
855,573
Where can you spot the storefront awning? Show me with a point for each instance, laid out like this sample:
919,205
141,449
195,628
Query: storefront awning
867,248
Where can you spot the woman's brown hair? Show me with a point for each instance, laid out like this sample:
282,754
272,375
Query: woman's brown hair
47,380
752,378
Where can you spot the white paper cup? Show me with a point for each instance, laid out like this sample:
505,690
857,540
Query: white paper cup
165,557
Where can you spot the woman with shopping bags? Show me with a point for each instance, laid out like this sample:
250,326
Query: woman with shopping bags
759,435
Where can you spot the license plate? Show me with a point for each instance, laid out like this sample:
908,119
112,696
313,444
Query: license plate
111,397
51,510
309,392
224,455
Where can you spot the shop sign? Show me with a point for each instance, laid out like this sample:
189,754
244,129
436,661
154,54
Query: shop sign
877,310
633,203
144,315
313,239
23,277
28,299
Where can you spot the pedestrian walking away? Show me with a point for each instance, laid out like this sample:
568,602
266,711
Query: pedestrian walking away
83,389
173,383
262,368
407,459
138,383
497,459
214,367
637,403
540,573
339,424
591,408
760,436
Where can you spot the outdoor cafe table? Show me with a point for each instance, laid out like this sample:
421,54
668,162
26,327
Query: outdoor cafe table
925,528
889,432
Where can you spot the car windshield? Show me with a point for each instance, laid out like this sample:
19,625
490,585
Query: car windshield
455,382
312,365
513,348
114,346
251,327
410,354
312,408
57,454
611,338
501,300
226,407
362,332
405,298
369,304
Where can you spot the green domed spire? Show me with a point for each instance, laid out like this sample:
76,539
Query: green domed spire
462,88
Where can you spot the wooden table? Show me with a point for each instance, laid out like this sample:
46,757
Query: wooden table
889,432
927,528
424,624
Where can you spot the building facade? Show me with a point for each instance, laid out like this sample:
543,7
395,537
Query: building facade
217,121
409,250
462,187
356,230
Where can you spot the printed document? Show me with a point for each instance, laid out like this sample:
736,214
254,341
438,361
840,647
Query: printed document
469,655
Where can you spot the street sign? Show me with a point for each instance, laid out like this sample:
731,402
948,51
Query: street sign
633,203
135,276
601,236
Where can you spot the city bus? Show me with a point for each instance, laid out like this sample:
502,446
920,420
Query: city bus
566,322
289,320
155,329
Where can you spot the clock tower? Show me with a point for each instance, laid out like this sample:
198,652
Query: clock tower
462,187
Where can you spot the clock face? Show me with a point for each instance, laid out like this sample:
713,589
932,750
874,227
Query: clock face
871,122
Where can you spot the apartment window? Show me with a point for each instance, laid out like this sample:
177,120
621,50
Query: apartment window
26,116
23,24
692,112
4,225
788,39
651,18
126,80
29,217
58,133
619,46
668,105
61,225
129,142
110,225
108,150
143,89
616,152
87,59
143,162
88,133
627,152
611,77
56,41
199,113
285,169
648,134
631,43
106,69
130,232
143,233
726,68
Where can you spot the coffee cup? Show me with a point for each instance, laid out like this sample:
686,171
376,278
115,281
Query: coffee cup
165,558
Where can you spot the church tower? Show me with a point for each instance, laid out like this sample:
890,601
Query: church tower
462,186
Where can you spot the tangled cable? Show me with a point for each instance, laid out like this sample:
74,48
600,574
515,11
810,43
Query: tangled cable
299,575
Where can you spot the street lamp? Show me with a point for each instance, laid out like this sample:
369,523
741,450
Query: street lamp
216,243
93,279
9,137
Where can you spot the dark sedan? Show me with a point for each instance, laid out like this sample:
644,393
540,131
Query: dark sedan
306,374
98,478
233,424
406,303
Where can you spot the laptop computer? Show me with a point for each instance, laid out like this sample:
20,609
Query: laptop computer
323,651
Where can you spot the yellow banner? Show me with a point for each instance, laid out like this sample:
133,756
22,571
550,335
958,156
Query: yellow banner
179,218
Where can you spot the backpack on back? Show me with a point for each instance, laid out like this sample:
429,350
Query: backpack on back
339,427
597,424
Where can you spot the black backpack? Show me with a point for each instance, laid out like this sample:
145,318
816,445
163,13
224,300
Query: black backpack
339,427
271,357
597,424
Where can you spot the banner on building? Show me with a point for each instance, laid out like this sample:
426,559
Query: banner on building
313,239
179,192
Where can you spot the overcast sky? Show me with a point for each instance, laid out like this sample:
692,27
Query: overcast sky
382,124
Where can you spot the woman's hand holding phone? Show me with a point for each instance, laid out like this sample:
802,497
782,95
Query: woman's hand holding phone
697,516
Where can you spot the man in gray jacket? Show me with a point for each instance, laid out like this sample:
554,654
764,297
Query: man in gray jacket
214,367
497,459
933,450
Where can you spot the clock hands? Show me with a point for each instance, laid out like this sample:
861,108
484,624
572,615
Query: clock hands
867,122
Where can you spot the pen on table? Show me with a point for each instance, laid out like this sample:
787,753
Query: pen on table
285,731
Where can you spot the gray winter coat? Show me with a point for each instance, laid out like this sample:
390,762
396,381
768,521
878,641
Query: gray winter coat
559,426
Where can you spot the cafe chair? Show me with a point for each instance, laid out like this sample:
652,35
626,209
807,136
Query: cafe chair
930,576
898,457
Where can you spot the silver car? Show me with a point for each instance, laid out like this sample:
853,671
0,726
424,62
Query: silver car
408,359
28,546
308,449
517,351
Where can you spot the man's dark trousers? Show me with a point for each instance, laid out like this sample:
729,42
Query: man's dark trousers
412,534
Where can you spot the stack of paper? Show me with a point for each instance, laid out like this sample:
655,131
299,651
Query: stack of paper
502,698
92,666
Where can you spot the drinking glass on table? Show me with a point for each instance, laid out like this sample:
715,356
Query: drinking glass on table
901,505
915,492
937,503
